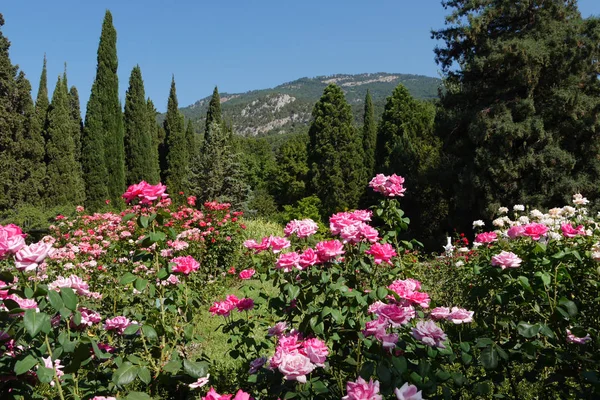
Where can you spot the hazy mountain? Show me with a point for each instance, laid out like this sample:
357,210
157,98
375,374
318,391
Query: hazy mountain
287,107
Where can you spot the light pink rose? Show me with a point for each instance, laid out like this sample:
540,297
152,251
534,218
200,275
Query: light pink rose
389,186
329,249
30,257
12,239
277,330
316,350
362,390
506,259
429,333
288,261
295,366
460,316
279,243
185,265
439,313
247,274
408,289
577,340
515,231
570,232
408,392
118,324
103,398
200,382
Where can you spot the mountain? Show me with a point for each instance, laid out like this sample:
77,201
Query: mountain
287,108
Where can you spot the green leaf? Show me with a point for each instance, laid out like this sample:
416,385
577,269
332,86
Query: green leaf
524,281
144,375
293,291
138,396
26,364
466,358
34,321
127,278
162,273
28,292
55,300
172,367
382,292
143,221
140,284
69,298
546,331
127,217
489,358
195,369
400,364
383,373
131,329
527,330
45,374
465,346
545,277
125,374
99,353
150,332
319,387
155,237
568,305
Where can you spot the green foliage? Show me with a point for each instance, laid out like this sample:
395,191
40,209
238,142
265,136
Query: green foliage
157,141
141,166
213,114
65,184
407,146
520,116
289,184
369,138
77,121
207,170
192,142
307,207
176,145
335,153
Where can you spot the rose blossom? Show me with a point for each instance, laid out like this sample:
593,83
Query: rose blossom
29,257
515,231
506,259
103,398
302,228
577,340
396,315
118,324
245,304
247,274
429,333
288,261
389,186
213,395
408,392
408,289
200,382
278,243
439,313
185,265
570,232
145,192
278,329
295,366
535,230
316,350
460,316
11,239
329,249
486,237
381,252
308,258
256,365
362,390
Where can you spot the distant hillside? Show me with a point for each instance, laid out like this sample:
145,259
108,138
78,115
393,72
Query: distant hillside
287,107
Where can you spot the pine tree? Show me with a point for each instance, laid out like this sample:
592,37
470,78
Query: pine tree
520,116
176,144
77,121
292,169
138,131
335,155
103,151
65,183
369,139
156,141
190,136
213,114
208,168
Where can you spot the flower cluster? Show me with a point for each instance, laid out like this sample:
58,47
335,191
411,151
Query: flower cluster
145,192
363,390
230,303
302,228
389,186
296,357
12,240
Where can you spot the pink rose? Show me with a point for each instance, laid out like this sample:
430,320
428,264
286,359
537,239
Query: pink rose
486,237
288,261
103,398
506,259
362,390
278,329
191,200
29,257
460,316
382,252
316,350
439,313
408,289
577,340
429,333
213,395
515,231
570,232
339,221
247,274
245,304
241,395
329,249
145,192
295,366
279,243
11,239
389,186
308,258
185,265
535,230
118,324
306,227
408,392
362,215
396,315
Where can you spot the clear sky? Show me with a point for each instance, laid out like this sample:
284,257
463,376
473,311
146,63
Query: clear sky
239,45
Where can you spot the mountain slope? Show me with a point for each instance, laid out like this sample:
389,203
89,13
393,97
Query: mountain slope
287,107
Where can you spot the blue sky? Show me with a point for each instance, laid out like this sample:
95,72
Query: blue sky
237,45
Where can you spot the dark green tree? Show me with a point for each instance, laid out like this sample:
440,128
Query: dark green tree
208,168
157,139
138,132
103,154
213,114
289,181
369,139
75,108
190,136
335,153
65,183
176,144
520,114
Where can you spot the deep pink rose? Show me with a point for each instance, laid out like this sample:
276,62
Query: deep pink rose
245,304
247,274
486,237
11,239
329,249
535,230
382,252
185,265
288,261
389,186
308,258
241,395
29,257
362,390
408,289
515,231
397,315
213,395
316,350
570,232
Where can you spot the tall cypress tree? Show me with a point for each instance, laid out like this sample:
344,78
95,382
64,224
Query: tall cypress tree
102,142
369,139
77,121
208,168
65,183
156,143
335,154
138,134
176,144
213,114
190,137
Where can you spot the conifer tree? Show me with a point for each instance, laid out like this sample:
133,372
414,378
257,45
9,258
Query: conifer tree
190,136
103,151
156,142
213,114
292,169
138,131
369,135
335,154
208,168
523,105
65,183
176,144
77,121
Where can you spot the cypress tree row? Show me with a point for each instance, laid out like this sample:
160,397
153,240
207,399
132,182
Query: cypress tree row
102,141
138,131
65,183
213,114
369,139
335,155
208,168
176,144
77,121
156,142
